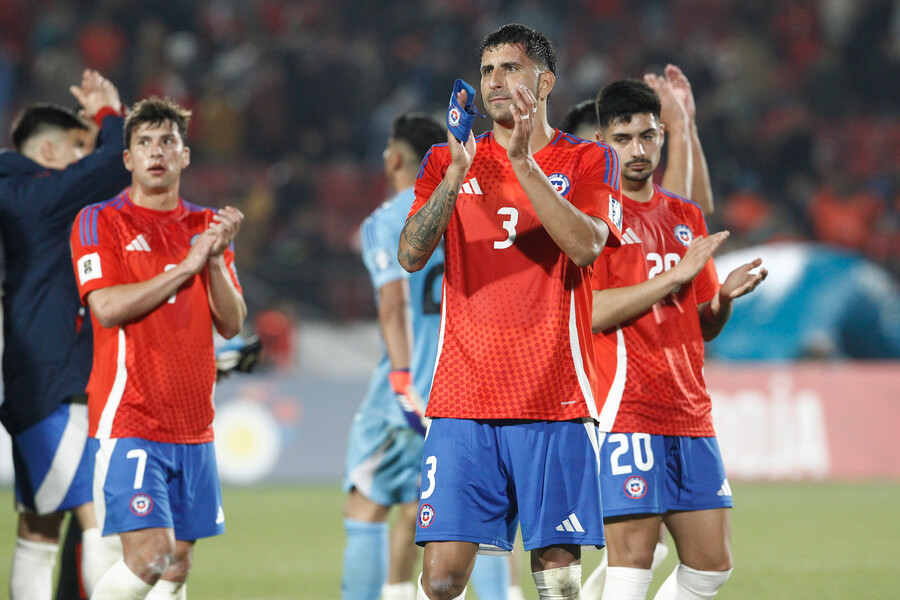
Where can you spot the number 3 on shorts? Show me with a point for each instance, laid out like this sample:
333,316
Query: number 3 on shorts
430,468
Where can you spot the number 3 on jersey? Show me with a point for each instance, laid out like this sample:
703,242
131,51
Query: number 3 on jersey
509,225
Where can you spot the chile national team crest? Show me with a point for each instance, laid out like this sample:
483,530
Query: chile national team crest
454,117
426,515
560,183
635,487
684,234
141,504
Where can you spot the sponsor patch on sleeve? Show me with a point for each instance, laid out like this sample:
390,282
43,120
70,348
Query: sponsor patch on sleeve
89,267
615,212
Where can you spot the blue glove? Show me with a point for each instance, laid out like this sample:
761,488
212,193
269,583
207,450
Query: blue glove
460,118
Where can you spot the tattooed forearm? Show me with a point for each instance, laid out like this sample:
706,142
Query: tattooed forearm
424,229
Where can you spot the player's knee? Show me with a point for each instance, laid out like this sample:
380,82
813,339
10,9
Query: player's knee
152,559
179,566
633,557
560,583
441,583
704,584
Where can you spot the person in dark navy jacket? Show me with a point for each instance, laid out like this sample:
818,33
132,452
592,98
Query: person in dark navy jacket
60,164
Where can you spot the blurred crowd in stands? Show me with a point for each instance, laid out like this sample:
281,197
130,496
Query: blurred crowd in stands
797,107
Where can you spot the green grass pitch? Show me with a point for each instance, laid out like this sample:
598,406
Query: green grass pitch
790,541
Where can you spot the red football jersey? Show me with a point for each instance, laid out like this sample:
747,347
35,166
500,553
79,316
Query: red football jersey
515,324
653,365
153,377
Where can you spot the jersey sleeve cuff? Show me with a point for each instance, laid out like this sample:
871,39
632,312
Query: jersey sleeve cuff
106,111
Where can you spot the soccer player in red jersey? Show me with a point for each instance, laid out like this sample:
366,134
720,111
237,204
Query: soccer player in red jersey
158,274
524,211
655,303
686,175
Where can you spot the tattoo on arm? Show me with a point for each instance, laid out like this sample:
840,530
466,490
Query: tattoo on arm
425,228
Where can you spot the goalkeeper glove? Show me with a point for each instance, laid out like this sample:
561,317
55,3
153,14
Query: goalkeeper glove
409,400
237,354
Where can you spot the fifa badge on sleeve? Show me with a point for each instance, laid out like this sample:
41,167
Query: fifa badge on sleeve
460,118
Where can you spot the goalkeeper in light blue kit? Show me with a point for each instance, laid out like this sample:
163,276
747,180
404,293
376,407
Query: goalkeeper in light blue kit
384,457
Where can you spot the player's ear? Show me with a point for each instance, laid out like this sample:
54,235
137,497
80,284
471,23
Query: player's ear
47,152
126,158
186,154
546,81
396,159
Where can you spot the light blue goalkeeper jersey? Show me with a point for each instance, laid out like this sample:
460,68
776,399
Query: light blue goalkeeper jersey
380,234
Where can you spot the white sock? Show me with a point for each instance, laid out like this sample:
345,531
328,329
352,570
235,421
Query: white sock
420,592
515,593
120,583
561,583
593,586
659,555
168,590
627,583
686,583
32,570
398,591
98,554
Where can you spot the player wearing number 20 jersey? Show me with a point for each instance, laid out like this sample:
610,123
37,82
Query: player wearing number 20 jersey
143,383
515,337
661,351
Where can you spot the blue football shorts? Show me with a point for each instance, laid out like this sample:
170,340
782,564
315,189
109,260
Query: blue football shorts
140,484
654,474
384,462
53,470
480,479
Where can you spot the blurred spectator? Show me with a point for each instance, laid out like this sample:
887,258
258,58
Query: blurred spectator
292,100
276,329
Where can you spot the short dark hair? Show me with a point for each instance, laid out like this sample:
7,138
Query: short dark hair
39,118
536,46
583,113
419,131
157,111
621,99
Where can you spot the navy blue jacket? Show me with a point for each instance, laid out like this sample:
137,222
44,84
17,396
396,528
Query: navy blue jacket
47,350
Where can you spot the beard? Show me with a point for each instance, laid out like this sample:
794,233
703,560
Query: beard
637,176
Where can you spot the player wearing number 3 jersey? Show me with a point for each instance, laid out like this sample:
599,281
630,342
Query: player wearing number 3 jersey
505,274
523,211
158,274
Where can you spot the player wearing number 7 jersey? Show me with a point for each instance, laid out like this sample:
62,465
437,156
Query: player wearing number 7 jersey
655,303
158,274
523,211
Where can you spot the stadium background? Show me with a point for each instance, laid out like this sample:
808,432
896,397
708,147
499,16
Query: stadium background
798,113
